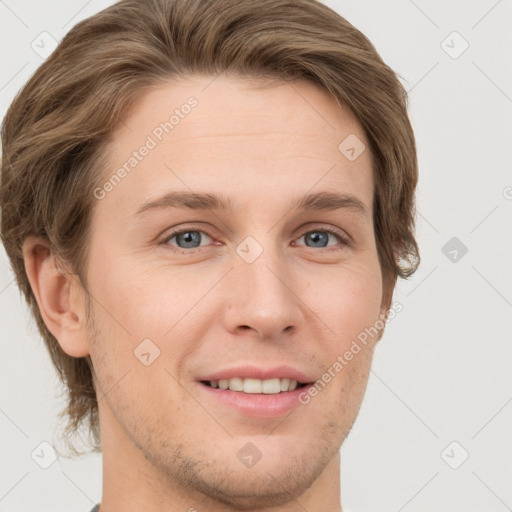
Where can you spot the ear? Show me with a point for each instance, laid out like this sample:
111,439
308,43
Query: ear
59,296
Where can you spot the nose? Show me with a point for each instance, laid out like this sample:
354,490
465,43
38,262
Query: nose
262,300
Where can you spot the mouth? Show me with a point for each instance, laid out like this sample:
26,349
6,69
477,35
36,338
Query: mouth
249,391
253,386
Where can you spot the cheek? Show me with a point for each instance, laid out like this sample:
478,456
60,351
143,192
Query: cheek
348,300
143,302
139,310
351,308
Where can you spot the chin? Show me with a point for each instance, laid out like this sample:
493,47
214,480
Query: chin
282,474
263,485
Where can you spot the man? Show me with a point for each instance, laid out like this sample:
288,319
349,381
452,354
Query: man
207,206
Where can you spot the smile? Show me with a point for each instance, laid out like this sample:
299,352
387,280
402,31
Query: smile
256,386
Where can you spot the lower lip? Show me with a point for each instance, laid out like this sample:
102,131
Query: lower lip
257,405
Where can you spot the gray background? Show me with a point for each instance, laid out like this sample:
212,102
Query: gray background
440,388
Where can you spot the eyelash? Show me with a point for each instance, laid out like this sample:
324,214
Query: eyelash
343,238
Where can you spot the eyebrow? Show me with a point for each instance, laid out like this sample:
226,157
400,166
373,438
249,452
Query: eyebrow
319,201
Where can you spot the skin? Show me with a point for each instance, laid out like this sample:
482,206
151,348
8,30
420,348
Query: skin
165,446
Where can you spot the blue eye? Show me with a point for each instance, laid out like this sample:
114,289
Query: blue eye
189,239
186,240
319,238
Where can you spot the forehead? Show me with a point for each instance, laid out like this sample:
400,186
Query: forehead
235,106
227,133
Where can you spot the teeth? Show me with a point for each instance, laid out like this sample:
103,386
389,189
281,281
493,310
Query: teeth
252,385
271,386
267,387
236,384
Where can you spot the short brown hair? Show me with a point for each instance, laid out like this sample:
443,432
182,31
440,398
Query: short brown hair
57,128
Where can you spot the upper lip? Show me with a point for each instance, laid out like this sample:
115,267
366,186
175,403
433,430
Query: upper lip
254,372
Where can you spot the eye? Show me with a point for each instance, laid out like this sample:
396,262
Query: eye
319,238
187,239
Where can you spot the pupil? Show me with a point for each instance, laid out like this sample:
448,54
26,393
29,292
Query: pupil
317,237
189,238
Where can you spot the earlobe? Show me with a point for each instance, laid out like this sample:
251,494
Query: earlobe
54,291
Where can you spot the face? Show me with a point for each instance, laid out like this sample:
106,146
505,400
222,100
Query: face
210,267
